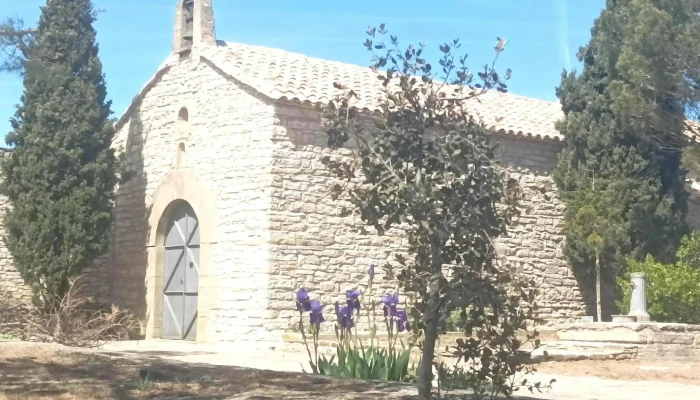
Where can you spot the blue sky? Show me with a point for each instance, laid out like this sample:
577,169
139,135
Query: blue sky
135,36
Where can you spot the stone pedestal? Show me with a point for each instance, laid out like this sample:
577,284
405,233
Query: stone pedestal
638,303
623,318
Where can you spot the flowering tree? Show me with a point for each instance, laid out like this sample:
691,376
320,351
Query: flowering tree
427,167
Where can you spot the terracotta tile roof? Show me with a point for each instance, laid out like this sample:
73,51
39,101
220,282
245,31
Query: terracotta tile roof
282,75
293,77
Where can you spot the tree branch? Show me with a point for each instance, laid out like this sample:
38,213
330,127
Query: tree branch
14,43
16,33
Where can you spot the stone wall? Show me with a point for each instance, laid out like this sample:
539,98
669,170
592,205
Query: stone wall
313,247
228,147
11,283
650,341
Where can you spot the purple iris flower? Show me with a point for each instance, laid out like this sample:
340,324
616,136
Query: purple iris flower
345,316
316,315
402,320
303,302
371,271
353,299
390,301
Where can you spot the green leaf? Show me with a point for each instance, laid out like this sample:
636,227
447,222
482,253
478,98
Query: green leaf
401,367
341,356
348,371
384,373
364,370
376,364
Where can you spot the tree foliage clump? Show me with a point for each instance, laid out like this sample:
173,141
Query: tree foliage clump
625,130
673,290
60,176
595,226
425,166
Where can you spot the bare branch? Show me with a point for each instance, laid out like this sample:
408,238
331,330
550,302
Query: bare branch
16,33
14,44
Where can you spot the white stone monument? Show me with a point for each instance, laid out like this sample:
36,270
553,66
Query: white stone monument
638,302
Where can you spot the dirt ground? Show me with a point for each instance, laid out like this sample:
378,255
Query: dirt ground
40,371
627,370
49,372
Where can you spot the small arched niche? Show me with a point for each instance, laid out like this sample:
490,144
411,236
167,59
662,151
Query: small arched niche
182,125
181,155
183,115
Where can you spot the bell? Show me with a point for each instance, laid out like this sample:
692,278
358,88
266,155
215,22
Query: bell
188,16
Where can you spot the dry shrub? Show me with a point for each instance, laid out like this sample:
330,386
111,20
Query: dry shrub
71,323
13,314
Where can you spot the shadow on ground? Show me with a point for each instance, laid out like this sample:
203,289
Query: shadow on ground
116,376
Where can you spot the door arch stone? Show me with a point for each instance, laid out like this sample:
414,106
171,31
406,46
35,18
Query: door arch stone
181,190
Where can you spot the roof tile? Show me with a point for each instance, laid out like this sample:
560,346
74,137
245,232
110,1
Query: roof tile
283,75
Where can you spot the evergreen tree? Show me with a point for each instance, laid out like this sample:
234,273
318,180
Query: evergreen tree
624,132
594,224
60,177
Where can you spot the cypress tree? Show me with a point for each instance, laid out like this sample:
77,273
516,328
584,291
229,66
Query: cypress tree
624,134
60,177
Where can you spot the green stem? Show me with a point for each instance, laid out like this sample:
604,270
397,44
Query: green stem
390,333
306,343
370,314
317,330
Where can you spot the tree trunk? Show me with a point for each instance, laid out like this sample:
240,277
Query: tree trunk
597,288
431,320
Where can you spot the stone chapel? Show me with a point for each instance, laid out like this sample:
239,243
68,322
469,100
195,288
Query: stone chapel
229,211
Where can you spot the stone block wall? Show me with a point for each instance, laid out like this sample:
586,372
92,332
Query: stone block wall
11,283
228,146
313,247
650,341
534,242
535,245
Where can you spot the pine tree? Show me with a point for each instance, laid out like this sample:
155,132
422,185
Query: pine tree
60,177
624,127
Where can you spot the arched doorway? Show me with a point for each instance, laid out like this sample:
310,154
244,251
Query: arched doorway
181,274
182,187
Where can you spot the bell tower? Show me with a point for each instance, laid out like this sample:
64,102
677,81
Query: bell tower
194,26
